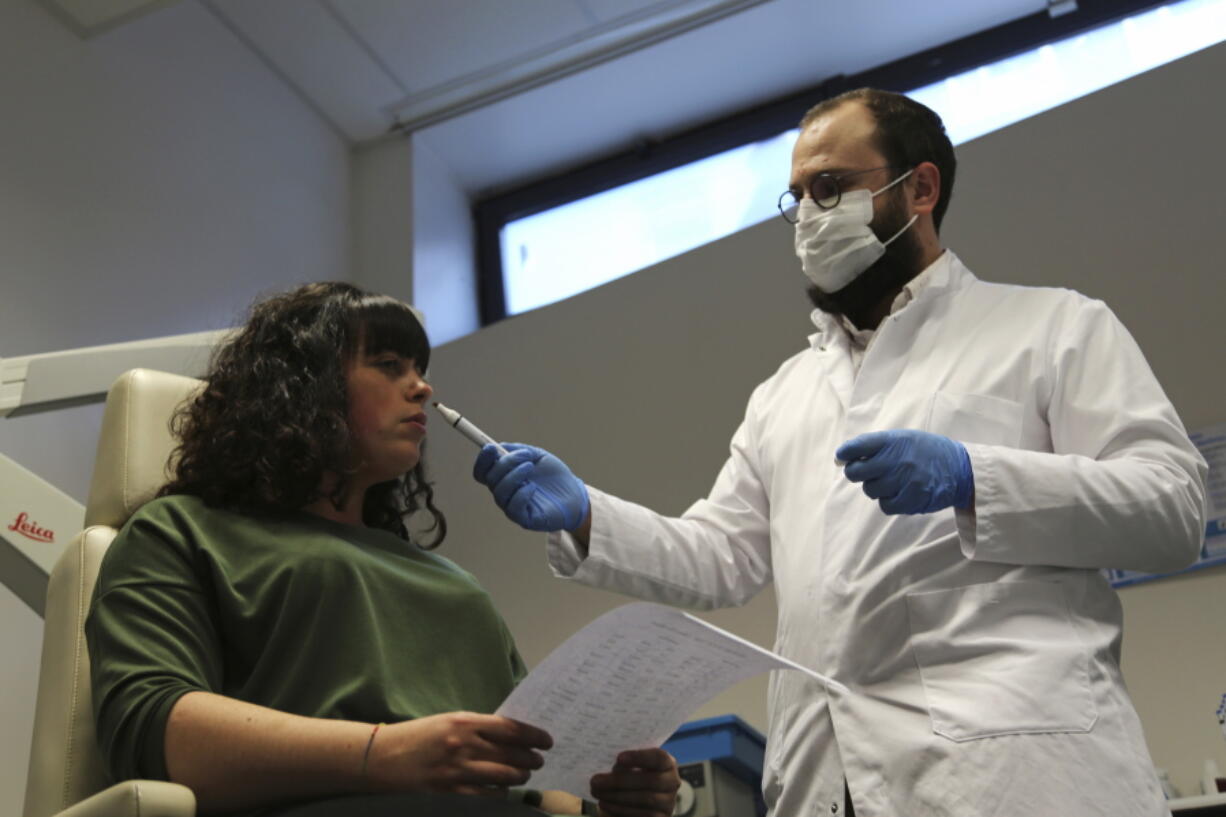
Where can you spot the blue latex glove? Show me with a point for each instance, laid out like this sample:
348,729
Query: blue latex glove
534,488
910,471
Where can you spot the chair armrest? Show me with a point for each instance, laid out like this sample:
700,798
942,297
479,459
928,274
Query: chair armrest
137,798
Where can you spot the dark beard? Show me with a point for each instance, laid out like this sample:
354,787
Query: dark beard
885,278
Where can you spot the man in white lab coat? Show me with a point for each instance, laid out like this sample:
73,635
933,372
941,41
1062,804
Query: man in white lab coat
1011,442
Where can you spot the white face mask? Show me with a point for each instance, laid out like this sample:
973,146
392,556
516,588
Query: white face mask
836,246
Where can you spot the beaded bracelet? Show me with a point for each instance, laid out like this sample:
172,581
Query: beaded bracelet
369,743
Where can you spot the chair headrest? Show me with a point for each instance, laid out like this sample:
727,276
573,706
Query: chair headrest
135,443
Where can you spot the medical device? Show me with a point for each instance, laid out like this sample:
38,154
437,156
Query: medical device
36,518
720,761
457,421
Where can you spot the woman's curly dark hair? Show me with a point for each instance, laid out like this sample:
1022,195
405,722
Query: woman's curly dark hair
272,420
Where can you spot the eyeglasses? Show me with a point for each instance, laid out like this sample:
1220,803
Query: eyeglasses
824,189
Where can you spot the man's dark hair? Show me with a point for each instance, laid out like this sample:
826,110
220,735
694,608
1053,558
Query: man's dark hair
907,133
273,417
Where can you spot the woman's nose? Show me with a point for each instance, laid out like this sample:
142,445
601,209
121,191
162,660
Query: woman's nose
419,390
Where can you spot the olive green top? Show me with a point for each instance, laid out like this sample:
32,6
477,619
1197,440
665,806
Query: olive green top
287,610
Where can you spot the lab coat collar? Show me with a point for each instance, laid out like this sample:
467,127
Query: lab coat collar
946,274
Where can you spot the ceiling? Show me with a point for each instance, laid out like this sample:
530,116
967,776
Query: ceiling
506,91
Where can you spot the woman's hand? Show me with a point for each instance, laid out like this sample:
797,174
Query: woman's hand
458,752
643,783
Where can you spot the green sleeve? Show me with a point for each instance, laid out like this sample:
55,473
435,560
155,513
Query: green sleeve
519,670
152,637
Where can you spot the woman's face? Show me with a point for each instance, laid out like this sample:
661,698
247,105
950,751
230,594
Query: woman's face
387,401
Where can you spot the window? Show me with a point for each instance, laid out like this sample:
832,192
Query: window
559,251
565,250
990,97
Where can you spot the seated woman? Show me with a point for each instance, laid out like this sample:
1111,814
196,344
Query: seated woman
267,632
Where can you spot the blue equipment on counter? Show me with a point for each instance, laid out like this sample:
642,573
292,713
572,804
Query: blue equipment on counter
737,752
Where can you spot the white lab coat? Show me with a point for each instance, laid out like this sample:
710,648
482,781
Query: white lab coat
981,647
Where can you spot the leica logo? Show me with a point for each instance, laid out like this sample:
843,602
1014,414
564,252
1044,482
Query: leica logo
31,530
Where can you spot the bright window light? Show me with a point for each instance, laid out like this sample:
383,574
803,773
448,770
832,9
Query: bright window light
996,95
569,249
561,252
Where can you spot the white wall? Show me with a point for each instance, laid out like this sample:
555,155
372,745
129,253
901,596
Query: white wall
444,256
413,233
153,181
381,218
639,384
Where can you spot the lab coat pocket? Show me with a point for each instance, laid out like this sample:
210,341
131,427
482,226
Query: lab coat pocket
976,418
1001,659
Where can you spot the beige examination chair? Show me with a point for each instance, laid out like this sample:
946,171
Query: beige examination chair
67,777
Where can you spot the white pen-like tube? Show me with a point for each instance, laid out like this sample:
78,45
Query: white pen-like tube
457,421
